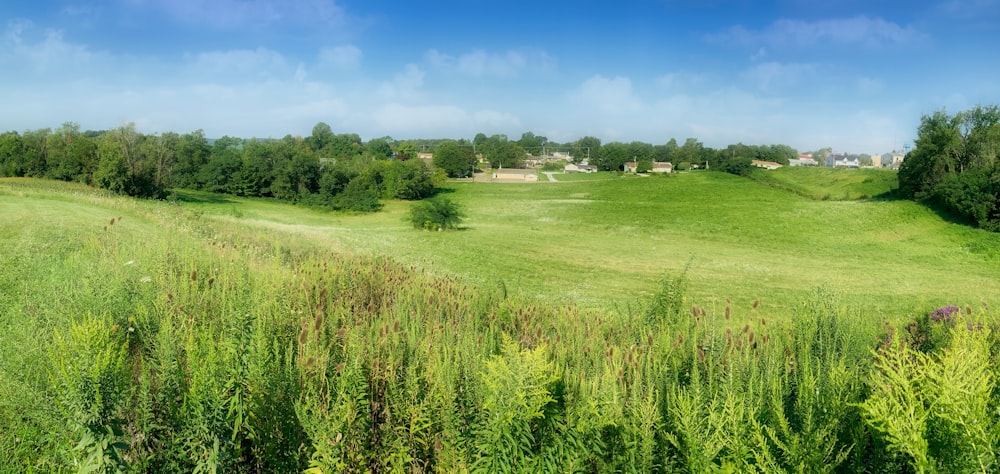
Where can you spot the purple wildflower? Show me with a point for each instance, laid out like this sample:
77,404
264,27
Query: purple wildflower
946,314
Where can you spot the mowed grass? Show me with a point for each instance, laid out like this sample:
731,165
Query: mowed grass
605,243
830,183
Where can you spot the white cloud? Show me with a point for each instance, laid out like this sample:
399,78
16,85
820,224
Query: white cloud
430,120
609,96
241,64
27,48
405,85
238,14
341,57
480,63
770,76
870,86
683,80
860,30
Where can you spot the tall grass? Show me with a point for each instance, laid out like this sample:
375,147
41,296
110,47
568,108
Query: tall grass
165,342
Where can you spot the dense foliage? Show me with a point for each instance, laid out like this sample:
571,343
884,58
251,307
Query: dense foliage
439,213
328,169
954,165
172,341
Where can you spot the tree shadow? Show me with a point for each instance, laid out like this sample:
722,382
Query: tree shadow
199,197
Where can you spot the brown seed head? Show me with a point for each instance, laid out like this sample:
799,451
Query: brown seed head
756,303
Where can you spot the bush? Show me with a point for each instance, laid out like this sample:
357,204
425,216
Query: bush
435,214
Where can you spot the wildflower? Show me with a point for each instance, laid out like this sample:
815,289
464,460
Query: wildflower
946,313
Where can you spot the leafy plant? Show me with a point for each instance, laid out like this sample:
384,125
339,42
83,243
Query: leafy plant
438,213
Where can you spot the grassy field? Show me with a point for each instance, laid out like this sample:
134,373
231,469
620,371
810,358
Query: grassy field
210,333
839,184
607,242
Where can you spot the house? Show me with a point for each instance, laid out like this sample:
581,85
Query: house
662,167
844,161
768,165
515,175
425,157
579,168
803,160
631,166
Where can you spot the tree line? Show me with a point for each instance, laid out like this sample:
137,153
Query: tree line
459,157
323,169
337,170
954,165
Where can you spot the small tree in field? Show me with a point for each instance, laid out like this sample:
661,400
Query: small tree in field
435,214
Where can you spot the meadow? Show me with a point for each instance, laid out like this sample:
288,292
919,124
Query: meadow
695,323
606,240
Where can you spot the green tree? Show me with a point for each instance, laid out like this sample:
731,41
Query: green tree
322,136
379,147
586,148
691,151
191,154
11,154
439,213
225,161
406,179
124,168
938,145
612,156
532,143
35,146
507,154
454,159
61,163
360,195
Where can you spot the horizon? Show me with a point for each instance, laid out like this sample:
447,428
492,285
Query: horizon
855,77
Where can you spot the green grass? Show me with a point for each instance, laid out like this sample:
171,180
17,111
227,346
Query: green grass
247,335
605,243
839,184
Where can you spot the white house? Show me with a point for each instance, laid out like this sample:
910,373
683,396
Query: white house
579,168
769,165
662,167
515,175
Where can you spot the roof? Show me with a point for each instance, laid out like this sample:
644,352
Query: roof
520,171
665,164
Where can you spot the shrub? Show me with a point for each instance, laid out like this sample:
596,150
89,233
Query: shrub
435,214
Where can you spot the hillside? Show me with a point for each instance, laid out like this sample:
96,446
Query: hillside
607,242
839,184
212,333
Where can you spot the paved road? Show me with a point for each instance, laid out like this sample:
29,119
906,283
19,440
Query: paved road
549,174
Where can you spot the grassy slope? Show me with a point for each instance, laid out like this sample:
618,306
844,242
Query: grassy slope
829,183
606,242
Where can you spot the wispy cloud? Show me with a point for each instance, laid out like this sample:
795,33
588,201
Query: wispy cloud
341,57
774,76
407,84
858,31
260,63
236,14
480,63
428,120
607,95
27,48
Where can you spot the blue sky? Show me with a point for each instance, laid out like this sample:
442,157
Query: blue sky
852,75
